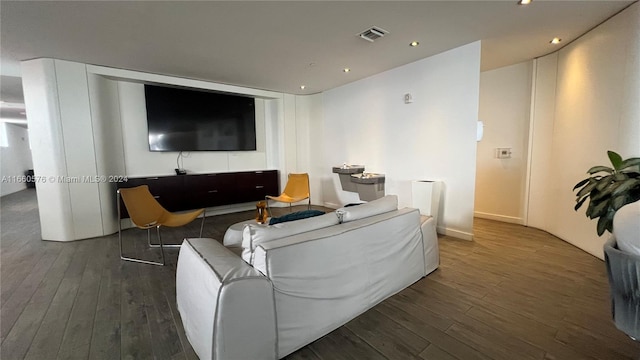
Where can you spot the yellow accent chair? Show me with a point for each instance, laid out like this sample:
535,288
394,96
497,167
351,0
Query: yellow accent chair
145,212
297,189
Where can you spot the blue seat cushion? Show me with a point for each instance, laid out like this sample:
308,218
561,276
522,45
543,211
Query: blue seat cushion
299,215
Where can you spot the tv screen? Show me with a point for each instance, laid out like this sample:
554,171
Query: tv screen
182,119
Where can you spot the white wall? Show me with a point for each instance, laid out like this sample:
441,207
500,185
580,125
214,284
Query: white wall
367,122
505,99
15,157
596,109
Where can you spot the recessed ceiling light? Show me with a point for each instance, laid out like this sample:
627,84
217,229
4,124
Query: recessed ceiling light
346,70
414,44
555,40
302,87
524,2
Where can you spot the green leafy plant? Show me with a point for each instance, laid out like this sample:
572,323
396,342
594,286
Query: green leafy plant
608,189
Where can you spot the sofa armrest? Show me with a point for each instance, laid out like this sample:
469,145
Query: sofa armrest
226,306
430,243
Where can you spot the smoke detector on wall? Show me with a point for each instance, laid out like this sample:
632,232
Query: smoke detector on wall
373,33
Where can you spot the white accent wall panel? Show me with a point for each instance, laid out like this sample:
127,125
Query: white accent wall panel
79,148
596,109
109,149
541,147
309,141
274,133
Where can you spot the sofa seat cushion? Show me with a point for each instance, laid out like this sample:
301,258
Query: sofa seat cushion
299,215
254,235
375,207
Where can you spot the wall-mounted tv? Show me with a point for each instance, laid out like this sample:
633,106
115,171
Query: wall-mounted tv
180,119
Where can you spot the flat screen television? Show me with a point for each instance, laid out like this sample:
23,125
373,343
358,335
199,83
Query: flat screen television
180,119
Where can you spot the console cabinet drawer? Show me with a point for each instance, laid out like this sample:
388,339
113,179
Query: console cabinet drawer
257,186
208,189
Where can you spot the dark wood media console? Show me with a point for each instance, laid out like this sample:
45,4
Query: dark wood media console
186,192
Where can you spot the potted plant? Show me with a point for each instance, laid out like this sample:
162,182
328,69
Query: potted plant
608,189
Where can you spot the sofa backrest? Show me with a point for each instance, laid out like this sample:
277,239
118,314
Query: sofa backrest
375,207
254,235
324,278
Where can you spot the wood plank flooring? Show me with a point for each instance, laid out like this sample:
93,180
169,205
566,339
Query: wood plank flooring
513,293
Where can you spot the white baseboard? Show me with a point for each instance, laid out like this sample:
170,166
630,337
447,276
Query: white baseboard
228,209
455,233
332,205
503,218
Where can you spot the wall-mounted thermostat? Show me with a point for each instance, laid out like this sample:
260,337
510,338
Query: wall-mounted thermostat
503,153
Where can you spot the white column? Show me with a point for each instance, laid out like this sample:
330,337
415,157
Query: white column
59,116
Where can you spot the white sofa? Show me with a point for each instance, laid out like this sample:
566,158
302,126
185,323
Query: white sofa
301,280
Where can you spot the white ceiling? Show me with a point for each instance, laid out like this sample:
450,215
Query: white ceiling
282,45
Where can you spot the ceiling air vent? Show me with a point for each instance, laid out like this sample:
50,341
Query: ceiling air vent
373,33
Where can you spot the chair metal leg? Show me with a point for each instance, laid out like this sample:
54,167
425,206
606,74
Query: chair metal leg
204,213
122,257
160,240
126,258
179,245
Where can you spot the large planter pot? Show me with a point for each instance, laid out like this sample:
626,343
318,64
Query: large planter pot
626,228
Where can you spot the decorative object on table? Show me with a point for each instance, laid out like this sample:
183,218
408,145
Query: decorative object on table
298,215
610,191
261,212
297,189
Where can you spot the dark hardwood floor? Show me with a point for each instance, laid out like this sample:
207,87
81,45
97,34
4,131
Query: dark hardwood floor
514,293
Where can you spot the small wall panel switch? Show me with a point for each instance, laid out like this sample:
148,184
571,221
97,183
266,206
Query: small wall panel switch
503,153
